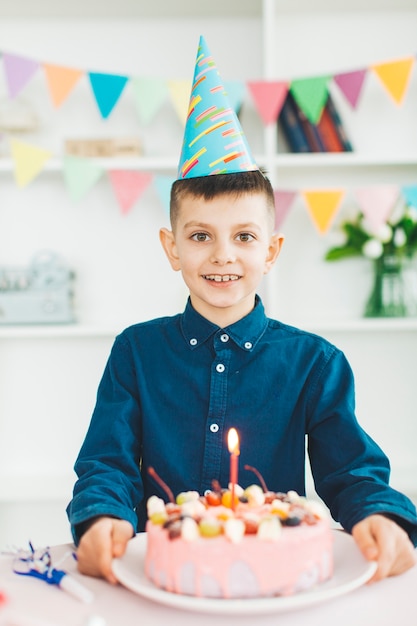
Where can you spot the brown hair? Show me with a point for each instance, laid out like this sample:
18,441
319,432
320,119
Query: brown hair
209,187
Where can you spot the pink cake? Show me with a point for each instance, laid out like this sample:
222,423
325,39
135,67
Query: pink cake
270,544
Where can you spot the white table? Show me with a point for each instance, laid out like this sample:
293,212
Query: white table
32,602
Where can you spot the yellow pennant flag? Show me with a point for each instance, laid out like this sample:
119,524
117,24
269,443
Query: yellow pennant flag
322,206
60,80
395,76
28,161
179,91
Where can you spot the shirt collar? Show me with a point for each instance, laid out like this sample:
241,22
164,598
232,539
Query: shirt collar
246,332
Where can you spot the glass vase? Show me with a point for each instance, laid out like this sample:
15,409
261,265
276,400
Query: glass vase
389,296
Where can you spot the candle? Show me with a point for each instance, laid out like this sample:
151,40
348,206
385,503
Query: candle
233,444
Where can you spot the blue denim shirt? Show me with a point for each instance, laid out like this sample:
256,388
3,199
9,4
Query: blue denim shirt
173,387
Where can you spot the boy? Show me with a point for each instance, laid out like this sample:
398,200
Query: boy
172,387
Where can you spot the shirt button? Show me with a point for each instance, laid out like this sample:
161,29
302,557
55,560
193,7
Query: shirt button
248,345
214,428
224,338
193,341
220,367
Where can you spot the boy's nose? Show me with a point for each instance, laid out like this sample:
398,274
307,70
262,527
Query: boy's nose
223,254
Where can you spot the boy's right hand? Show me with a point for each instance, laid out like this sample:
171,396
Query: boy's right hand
105,540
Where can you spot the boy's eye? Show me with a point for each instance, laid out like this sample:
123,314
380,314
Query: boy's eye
245,237
200,237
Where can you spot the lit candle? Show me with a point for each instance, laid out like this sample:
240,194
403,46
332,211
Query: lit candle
233,444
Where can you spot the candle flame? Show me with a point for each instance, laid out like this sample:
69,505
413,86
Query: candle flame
233,441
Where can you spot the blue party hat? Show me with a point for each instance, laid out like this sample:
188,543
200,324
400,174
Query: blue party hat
214,142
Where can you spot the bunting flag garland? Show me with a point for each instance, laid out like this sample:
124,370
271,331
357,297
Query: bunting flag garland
163,186
323,206
80,175
311,95
351,84
376,203
410,195
18,70
269,97
149,94
395,77
28,161
107,89
128,186
235,91
180,94
283,202
61,81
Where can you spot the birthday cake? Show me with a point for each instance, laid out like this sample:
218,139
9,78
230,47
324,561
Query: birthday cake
256,544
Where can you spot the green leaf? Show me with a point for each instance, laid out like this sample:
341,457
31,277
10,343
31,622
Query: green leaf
342,252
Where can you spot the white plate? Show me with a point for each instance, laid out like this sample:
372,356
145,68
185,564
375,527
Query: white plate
351,570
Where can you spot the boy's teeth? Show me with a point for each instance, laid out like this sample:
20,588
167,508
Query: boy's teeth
221,279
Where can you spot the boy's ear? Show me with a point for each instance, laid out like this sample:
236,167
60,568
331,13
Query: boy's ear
274,249
167,240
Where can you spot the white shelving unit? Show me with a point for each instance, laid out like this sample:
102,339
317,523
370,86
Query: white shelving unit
49,374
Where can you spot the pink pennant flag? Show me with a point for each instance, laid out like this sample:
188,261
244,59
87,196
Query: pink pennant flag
377,203
350,84
283,202
269,97
128,185
18,71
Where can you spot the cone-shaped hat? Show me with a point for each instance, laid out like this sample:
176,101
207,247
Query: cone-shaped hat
214,142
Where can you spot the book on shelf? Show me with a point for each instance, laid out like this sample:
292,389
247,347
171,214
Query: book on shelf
328,135
291,126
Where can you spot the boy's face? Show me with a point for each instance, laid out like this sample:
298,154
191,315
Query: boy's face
223,247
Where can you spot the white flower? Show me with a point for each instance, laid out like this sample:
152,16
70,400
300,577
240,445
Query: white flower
372,249
400,238
384,233
411,212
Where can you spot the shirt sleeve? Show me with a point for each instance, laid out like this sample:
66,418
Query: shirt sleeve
108,465
350,471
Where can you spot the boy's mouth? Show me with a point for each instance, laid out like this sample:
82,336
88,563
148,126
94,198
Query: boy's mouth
220,278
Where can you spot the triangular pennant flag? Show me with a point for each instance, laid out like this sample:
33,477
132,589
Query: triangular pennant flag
179,92
269,97
351,84
60,81
149,95
80,175
28,161
283,202
395,76
18,70
163,186
322,206
377,203
410,195
107,89
235,91
128,185
311,95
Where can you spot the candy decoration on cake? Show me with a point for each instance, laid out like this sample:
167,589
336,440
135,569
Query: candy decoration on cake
269,543
214,142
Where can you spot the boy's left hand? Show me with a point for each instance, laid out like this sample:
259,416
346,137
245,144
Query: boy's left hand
382,540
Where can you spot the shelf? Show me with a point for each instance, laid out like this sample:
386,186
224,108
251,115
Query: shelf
343,159
369,325
58,331
165,164
87,331
169,164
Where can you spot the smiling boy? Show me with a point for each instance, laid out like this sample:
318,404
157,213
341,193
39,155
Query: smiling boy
173,386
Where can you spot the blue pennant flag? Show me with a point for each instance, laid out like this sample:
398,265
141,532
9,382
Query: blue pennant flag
107,89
